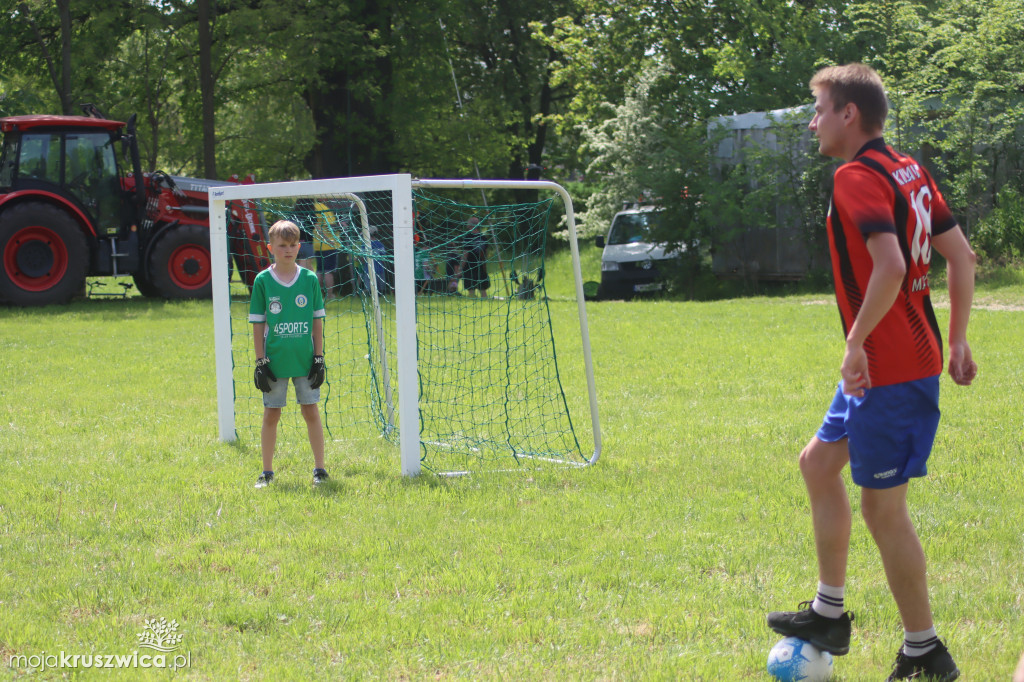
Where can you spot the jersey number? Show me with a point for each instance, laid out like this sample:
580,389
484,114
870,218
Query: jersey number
921,246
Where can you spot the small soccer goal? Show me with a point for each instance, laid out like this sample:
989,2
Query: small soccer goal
439,335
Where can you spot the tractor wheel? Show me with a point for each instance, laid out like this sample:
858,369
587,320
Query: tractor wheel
179,263
144,286
45,255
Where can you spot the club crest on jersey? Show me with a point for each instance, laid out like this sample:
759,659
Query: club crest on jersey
301,300
275,305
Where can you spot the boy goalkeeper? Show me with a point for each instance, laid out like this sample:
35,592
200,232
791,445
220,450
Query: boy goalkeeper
287,314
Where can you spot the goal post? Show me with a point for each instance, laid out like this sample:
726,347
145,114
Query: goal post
386,282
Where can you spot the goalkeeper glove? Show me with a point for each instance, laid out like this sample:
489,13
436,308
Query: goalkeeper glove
318,372
263,376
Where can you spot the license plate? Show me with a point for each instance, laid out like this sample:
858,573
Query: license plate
652,286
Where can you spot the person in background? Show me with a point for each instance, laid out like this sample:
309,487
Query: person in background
473,265
326,255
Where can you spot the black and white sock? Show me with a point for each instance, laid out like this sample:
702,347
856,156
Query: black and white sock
829,601
919,643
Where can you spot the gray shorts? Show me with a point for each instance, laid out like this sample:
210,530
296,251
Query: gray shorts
278,395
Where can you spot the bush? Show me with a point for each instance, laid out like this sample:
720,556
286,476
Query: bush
999,236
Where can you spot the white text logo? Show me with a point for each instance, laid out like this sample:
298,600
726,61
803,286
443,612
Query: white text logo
159,635
291,328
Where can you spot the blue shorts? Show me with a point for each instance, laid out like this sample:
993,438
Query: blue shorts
305,250
891,431
278,395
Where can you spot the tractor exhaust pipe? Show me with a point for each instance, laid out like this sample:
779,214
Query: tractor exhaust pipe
140,188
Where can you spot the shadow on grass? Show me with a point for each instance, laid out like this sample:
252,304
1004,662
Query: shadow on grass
113,309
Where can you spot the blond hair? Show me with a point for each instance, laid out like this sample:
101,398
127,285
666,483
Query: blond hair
285,230
860,85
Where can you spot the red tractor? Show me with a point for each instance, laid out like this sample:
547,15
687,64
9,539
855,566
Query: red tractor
70,209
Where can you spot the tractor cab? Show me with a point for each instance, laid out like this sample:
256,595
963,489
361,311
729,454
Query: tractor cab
73,158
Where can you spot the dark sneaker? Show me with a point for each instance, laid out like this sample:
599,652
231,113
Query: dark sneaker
935,666
264,480
319,476
828,634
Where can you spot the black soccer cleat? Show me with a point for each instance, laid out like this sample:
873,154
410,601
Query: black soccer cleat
264,480
935,666
828,634
319,476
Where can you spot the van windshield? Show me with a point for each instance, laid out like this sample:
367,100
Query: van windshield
631,228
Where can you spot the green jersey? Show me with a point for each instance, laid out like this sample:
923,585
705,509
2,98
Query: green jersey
288,309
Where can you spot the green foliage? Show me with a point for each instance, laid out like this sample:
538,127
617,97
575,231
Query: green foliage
893,35
780,181
984,136
952,70
36,42
628,151
646,136
1000,234
19,95
452,113
601,48
727,56
611,95
504,73
643,151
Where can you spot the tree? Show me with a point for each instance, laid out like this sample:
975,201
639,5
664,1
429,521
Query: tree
204,20
57,65
59,47
449,121
719,58
293,88
978,57
140,80
219,100
953,75
502,72
893,38
670,68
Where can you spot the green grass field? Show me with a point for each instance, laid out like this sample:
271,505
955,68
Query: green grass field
119,505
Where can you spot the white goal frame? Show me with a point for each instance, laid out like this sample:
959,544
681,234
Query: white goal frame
400,186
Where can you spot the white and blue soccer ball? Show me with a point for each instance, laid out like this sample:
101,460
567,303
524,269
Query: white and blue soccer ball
794,660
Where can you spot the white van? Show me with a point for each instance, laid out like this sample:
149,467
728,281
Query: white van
630,261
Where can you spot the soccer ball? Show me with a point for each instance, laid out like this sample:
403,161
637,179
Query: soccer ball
793,660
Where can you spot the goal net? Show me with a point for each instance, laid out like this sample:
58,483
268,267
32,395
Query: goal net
439,333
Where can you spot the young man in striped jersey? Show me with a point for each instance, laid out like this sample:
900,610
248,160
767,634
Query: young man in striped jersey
885,218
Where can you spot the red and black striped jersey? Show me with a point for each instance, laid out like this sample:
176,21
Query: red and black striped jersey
881,190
